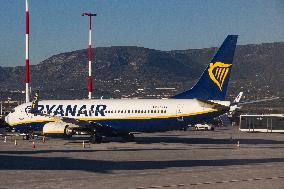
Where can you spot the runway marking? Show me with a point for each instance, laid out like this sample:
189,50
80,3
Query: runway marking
257,178
245,167
219,182
224,181
141,173
207,183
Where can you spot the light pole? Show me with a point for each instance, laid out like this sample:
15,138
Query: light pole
27,53
90,86
1,109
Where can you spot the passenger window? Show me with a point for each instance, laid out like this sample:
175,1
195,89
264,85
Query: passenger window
129,111
152,111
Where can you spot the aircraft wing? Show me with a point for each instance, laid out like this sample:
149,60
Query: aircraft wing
81,123
256,101
238,98
210,104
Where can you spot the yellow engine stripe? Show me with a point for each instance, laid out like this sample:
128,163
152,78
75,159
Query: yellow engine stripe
53,132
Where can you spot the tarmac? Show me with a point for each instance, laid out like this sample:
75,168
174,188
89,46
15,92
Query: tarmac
176,159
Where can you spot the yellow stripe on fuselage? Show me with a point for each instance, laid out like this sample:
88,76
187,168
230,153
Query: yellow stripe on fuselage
139,118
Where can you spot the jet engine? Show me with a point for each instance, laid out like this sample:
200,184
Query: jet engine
59,128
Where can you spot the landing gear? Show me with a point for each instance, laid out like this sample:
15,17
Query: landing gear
26,137
184,128
68,131
96,138
128,137
29,135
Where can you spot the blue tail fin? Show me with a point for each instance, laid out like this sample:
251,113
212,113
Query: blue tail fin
213,83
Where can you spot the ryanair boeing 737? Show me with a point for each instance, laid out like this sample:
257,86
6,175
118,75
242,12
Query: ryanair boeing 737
120,117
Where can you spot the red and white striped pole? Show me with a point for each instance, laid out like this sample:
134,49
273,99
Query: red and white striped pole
27,53
90,85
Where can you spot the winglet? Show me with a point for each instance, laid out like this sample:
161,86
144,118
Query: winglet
34,108
238,98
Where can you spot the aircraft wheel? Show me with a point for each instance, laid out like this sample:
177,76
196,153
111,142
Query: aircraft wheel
26,137
96,139
92,139
29,135
129,137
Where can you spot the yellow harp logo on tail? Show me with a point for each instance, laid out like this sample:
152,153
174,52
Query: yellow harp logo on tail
218,72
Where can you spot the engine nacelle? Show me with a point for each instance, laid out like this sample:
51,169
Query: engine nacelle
58,128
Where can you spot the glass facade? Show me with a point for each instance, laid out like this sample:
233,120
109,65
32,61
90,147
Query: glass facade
265,123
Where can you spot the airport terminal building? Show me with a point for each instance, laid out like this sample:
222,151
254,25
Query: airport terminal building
262,123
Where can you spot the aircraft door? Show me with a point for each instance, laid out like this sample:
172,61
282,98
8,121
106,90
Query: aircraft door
179,112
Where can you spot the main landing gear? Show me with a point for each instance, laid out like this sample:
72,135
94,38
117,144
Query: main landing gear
29,135
128,137
96,138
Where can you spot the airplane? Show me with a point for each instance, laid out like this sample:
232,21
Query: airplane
121,117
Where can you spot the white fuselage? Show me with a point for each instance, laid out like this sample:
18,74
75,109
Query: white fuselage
114,113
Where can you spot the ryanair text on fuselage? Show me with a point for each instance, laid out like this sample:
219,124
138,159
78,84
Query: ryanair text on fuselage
70,110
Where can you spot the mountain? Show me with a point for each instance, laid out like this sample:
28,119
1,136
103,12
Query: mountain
121,70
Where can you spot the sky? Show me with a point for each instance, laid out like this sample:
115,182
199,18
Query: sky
56,25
